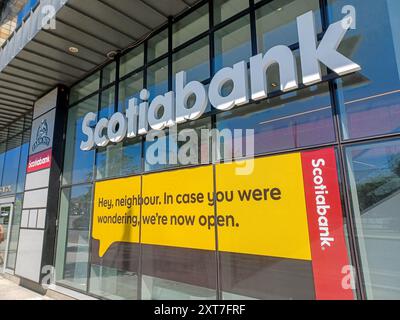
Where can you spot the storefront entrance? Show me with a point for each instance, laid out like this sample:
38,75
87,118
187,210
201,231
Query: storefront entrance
5,223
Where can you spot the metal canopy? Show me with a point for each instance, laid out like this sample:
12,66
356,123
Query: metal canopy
96,27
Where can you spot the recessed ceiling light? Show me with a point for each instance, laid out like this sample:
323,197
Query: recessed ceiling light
73,49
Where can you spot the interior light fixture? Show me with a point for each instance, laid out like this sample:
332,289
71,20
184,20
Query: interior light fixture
73,50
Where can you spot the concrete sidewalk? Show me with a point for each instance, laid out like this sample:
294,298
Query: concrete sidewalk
12,291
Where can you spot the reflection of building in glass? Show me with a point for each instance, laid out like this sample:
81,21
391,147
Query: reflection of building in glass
9,10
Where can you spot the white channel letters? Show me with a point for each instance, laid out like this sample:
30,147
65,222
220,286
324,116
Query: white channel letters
173,108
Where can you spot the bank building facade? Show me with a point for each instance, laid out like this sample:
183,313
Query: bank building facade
213,149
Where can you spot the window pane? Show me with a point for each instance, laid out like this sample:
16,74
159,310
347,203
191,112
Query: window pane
2,156
190,26
157,78
374,178
369,99
14,232
78,164
11,163
157,45
85,88
161,155
107,107
109,74
171,272
224,9
75,213
296,120
22,167
276,22
194,60
233,43
118,160
128,89
131,61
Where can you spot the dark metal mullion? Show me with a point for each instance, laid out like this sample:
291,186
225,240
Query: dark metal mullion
116,83
5,154
170,54
142,156
61,190
94,173
253,28
213,126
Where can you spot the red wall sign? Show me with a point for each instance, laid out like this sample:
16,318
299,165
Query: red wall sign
39,161
325,223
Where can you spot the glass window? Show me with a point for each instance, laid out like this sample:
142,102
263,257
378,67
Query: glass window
109,73
85,88
114,276
78,164
369,99
2,157
119,160
107,107
233,43
128,89
224,9
194,60
160,154
295,120
190,26
374,183
157,78
23,162
178,273
73,237
131,61
276,22
14,232
157,45
11,163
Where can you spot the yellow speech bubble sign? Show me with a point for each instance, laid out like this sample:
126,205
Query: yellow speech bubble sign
269,208
116,214
179,217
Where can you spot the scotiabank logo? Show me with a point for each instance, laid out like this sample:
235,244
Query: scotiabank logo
39,161
325,223
322,203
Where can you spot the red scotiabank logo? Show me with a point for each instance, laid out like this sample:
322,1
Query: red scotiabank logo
39,161
325,223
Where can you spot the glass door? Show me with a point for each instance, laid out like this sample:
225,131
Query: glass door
5,222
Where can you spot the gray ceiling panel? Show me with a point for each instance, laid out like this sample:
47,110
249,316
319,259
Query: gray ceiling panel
59,55
139,11
103,12
86,53
28,83
28,75
52,64
95,27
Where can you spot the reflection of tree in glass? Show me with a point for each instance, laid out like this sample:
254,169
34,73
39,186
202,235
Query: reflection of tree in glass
118,160
380,187
80,208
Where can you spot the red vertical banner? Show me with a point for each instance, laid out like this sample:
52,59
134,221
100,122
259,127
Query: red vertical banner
325,223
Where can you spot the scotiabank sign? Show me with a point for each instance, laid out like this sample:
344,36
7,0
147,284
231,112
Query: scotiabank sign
289,208
173,108
39,161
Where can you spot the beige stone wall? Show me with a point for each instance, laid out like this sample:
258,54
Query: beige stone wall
9,22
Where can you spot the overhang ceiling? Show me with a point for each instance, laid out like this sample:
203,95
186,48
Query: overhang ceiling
96,27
